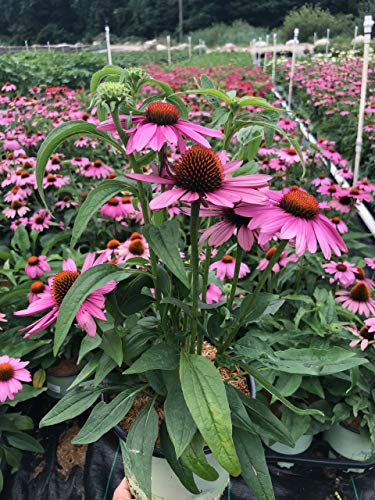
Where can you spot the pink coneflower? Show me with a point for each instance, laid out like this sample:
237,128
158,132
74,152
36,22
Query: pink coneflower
370,262
55,180
135,246
18,193
321,180
17,208
81,142
345,173
37,266
365,185
3,319
295,216
287,124
127,205
160,124
340,225
370,322
229,225
365,336
213,294
358,299
40,221
199,174
23,220
290,155
92,307
8,87
37,289
113,208
12,371
111,249
225,268
277,164
96,170
343,272
66,202
80,161
284,259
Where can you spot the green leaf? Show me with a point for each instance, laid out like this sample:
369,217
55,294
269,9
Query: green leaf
210,92
87,345
72,404
112,346
86,283
287,384
181,471
266,423
95,199
105,366
60,134
23,441
159,357
86,371
1,481
298,424
207,83
259,307
180,423
272,389
97,77
28,392
164,241
240,417
21,239
104,417
195,459
253,463
205,396
258,102
313,385
137,451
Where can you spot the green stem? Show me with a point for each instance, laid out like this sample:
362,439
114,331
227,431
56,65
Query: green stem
142,199
206,270
194,259
263,278
239,256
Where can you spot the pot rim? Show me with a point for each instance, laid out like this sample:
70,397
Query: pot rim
62,376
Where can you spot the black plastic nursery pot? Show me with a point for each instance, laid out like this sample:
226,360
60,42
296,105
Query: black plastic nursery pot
58,385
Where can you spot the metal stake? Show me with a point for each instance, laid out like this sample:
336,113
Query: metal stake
292,69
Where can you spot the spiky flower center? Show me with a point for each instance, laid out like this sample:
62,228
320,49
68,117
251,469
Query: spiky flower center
112,175
332,189
113,202
16,205
112,244
365,334
291,151
360,293
359,273
135,236
345,200
238,220
342,268
336,220
354,191
300,204
97,163
40,219
199,170
37,287
62,283
227,259
270,253
6,372
33,261
322,176
162,113
126,199
137,247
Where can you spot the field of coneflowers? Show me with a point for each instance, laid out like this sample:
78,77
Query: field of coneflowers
182,282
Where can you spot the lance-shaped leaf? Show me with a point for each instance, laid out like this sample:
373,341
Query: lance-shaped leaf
60,134
86,283
164,241
205,396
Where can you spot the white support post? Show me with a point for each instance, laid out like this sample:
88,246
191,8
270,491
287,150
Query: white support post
355,36
327,45
169,50
48,47
274,58
108,42
315,38
292,69
367,25
189,46
265,54
26,45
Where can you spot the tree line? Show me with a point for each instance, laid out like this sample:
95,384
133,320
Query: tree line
39,21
